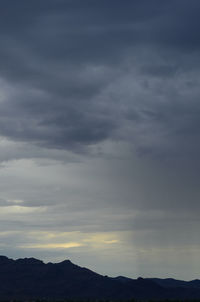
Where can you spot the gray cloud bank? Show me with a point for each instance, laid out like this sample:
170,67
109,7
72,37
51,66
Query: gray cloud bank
74,74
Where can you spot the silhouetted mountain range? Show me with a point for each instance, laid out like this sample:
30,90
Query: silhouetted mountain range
30,278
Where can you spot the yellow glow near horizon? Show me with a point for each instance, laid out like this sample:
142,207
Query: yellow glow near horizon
53,245
66,240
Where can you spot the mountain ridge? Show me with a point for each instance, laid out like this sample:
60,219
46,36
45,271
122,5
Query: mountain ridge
30,278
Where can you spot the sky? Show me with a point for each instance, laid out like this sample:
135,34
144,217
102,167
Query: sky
100,134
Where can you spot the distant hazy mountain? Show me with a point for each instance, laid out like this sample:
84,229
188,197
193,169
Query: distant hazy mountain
31,278
167,283
172,283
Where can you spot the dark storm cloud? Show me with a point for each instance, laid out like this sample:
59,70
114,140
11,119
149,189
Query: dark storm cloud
65,64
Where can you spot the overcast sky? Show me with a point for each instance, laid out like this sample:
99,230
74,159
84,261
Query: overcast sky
100,134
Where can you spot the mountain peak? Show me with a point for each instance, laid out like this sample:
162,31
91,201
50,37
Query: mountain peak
67,261
29,261
4,259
